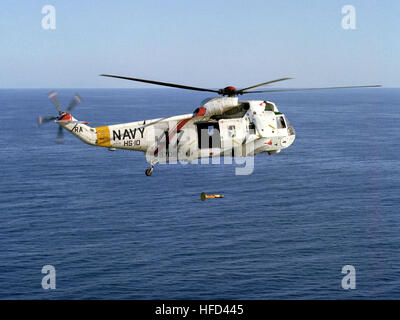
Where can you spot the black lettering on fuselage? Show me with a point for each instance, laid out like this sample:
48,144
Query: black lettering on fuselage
116,135
133,133
131,143
77,129
141,130
127,134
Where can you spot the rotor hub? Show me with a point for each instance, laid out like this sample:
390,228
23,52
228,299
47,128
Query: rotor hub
65,117
228,91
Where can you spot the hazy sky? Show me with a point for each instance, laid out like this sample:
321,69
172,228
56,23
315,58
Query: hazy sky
204,43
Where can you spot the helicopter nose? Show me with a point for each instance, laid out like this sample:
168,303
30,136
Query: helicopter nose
287,141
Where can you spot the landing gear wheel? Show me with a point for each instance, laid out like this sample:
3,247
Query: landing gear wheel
149,171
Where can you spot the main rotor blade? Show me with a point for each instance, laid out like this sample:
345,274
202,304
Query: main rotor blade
166,84
74,102
304,89
60,135
53,98
263,84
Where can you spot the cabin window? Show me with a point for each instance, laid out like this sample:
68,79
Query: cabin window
252,128
209,136
280,122
232,131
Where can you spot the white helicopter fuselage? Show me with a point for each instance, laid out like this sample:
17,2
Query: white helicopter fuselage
219,127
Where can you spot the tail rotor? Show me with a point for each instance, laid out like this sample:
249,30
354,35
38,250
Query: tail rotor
61,114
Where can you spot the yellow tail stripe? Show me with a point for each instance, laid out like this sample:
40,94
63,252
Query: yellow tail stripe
103,136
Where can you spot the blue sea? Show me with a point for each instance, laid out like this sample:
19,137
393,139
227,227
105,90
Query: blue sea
284,232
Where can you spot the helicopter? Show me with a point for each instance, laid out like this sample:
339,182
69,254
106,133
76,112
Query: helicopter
219,127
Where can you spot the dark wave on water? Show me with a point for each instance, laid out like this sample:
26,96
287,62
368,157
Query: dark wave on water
284,232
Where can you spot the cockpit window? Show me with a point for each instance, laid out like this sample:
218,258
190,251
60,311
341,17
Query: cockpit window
280,122
268,106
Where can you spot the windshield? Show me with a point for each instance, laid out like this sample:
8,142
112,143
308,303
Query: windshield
280,122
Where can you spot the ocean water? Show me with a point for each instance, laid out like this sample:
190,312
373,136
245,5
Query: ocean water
283,232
